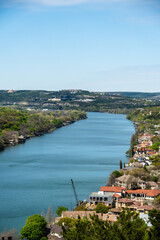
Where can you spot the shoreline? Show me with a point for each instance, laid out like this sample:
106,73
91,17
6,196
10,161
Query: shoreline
22,139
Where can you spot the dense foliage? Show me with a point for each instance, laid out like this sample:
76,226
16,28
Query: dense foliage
147,119
128,227
60,210
14,122
101,208
154,217
155,160
35,228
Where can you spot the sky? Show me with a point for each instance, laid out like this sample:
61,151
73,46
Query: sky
95,45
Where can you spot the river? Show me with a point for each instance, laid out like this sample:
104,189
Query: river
37,174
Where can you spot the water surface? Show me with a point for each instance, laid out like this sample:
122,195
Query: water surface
37,174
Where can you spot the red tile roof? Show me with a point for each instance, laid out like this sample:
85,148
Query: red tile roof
116,195
148,193
111,189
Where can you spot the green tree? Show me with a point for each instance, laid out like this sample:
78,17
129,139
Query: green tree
101,208
84,229
70,222
35,228
60,210
155,146
154,217
129,226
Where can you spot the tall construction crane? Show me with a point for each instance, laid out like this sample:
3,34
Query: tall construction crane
75,194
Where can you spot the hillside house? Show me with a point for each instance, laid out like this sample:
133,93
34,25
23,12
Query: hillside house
140,207
145,137
123,203
152,185
130,182
114,189
101,197
140,194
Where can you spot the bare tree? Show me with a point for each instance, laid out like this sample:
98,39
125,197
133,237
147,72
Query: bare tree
49,216
43,213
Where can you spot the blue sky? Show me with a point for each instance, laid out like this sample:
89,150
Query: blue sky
97,45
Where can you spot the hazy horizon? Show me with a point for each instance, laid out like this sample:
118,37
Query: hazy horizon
77,90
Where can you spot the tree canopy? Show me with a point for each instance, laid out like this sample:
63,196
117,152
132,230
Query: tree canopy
35,228
128,227
154,217
101,208
60,210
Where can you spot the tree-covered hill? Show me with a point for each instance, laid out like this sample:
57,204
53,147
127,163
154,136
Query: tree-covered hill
147,119
78,100
15,123
140,94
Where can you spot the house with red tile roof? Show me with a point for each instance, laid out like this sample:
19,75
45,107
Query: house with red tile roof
149,194
114,189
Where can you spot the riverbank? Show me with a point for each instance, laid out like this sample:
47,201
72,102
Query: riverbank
17,126
144,161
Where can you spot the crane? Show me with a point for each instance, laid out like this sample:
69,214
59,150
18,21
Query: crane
75,194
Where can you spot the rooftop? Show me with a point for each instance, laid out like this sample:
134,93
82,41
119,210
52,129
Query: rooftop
125,200
104,194
148,193
126,178
111,189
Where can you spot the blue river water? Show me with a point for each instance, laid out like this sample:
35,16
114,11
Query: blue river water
37,174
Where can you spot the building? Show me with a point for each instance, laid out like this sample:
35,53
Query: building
123,203
140,207
140,194
102,197
55,233
152,185
130,182
114,189
145,137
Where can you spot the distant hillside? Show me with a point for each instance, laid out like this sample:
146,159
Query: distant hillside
115,102
140,94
